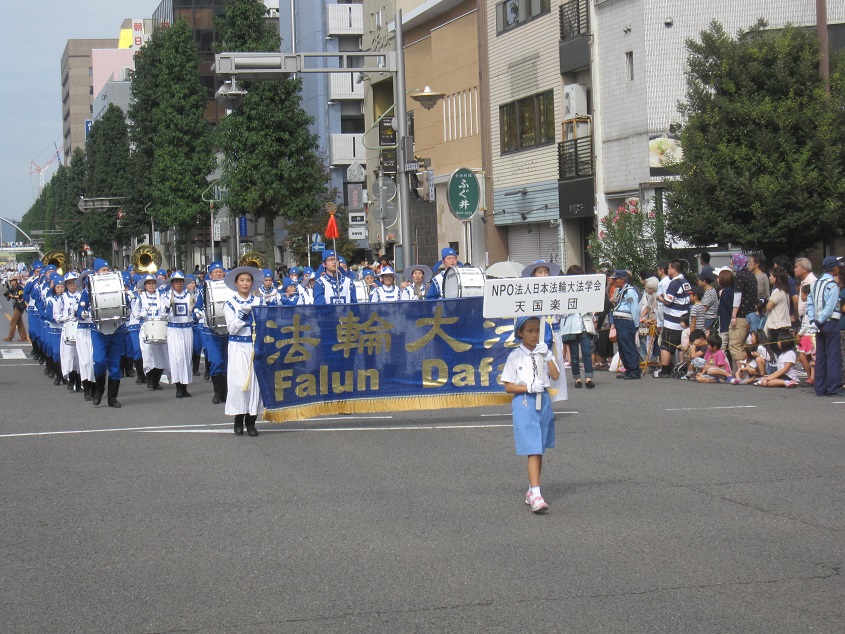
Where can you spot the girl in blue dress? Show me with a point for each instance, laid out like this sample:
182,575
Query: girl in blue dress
527,374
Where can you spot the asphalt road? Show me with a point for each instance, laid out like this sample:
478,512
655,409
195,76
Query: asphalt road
675,507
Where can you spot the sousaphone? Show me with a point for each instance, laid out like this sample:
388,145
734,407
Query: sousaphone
146,259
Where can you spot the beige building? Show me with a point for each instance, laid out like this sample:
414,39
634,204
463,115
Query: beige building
441,51
78,91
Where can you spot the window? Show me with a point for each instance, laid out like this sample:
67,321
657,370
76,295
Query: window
527,123
511,13
629,66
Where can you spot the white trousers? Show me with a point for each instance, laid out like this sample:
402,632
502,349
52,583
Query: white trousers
85,354
243,396
180,343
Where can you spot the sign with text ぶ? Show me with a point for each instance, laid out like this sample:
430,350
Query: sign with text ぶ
516,297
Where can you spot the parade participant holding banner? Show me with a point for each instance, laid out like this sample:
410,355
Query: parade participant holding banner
388,291
179,305
147,308
333,287
243,397
107,340
527,371
448,259
418,277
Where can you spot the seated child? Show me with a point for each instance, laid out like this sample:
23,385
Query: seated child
716,367
786,374
695,354
753,366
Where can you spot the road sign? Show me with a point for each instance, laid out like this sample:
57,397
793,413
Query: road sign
388,214
215,233
316,237
463,193
357,218
357,233
356,173
318,246
560,295
243,228
412,167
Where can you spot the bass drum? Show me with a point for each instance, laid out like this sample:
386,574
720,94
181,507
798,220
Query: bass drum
362,292
109,308
69,333
154,331
466,281
216,296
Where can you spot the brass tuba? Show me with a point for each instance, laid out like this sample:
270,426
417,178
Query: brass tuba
59,258
254,259
146,259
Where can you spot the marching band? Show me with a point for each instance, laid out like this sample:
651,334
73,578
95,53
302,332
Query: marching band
90,330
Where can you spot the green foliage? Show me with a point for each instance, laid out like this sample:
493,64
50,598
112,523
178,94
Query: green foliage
764,158
627,239
270,164
172,144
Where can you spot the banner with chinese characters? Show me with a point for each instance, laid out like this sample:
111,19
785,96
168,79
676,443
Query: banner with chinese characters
319,360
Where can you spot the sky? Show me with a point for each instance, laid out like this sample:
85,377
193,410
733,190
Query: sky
32,38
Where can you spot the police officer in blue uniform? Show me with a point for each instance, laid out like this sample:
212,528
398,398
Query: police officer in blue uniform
824,313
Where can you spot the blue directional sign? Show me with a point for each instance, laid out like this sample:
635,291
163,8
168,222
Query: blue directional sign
318,246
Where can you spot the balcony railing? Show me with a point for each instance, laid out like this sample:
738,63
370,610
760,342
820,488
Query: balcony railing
575,158
574,19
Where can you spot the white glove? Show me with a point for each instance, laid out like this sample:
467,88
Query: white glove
243,316
85,314
246,309
543,350
536,387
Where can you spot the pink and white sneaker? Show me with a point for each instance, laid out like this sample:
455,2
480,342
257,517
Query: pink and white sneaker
536,502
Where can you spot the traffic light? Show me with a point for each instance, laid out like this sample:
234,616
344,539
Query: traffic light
420,185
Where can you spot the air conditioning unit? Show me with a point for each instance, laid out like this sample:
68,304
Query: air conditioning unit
574,101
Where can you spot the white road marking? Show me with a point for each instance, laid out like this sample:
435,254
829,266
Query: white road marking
17,365
331,429
695,409
12,353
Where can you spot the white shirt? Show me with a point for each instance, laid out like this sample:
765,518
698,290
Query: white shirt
520,368
385,294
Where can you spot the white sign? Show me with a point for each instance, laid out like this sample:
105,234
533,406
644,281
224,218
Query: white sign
215,234
357,218
138,38
357,233
356,173
517,297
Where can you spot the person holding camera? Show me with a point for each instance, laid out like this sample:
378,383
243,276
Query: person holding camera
14,293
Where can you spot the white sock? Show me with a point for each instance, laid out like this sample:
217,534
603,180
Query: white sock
535,491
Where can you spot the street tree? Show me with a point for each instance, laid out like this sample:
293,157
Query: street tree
271,168
171,139
763,147
107,153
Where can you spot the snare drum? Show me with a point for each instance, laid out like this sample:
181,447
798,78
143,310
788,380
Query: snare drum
69,333
154,330
362,291
108,301
466,281
216,295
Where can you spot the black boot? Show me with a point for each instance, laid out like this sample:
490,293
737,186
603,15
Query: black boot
42,358
88,390
178,390
77,382
99,390
157,379
239,424
114,387
48,367
71,381
34,353
224,387
139,372
195,360
250,425
215,380
128,371
207,374
57,369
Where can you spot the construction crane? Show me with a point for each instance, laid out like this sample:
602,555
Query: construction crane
41,169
